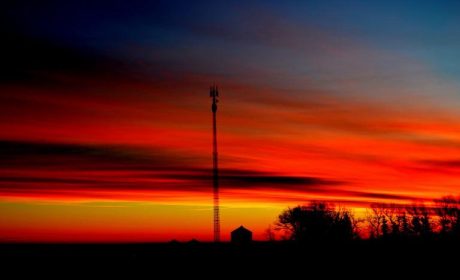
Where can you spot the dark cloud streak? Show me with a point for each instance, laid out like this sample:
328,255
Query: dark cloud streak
132,168
454,163
40,155
70,169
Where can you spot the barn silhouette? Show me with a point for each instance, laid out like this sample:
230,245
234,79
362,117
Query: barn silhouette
241,235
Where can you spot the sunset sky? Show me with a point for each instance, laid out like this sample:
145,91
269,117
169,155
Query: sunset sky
105,115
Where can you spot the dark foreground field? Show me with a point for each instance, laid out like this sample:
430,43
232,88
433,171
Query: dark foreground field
356,260
356,252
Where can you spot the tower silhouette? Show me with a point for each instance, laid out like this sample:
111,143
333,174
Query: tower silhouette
214,94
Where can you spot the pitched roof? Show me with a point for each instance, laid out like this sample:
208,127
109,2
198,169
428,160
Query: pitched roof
241,229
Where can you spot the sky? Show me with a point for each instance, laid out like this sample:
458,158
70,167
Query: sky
105,115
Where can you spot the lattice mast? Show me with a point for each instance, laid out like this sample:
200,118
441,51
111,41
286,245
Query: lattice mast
214,94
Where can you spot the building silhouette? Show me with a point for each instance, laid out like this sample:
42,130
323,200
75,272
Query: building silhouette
241,235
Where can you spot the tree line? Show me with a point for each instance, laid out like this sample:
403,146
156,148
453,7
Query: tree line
323,221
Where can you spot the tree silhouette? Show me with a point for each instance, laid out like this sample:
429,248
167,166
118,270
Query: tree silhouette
392,213
390,222
448,210
375,219
317,221
385,228
421,220
405,230
270,234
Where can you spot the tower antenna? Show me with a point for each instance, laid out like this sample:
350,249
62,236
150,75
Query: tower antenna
214,94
